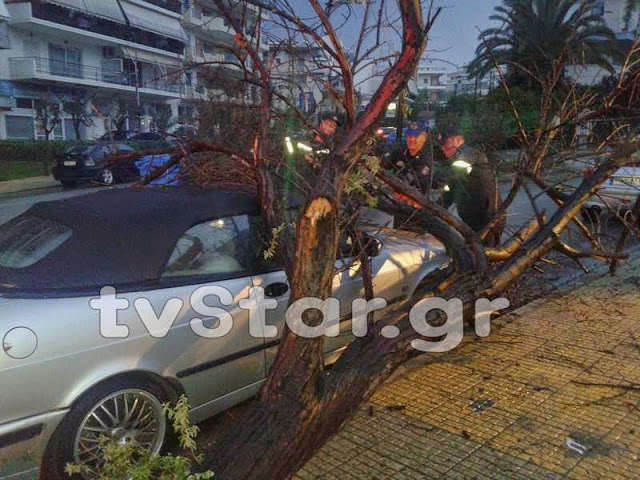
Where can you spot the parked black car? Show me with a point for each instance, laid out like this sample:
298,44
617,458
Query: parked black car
90,163
149,137
118,135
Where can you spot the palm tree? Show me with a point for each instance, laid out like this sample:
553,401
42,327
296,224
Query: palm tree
536,34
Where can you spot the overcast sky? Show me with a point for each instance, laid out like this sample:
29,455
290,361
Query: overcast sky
454,37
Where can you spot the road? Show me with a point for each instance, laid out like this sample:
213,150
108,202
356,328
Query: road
14,204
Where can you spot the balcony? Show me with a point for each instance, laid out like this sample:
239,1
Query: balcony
212,27
44,69
46,18
171,5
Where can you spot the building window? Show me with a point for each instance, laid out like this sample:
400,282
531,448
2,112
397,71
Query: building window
70,131
25,103
57,133
65,61
19,128
185,113
5,39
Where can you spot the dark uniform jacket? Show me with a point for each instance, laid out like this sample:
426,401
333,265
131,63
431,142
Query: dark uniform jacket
475,194
416,170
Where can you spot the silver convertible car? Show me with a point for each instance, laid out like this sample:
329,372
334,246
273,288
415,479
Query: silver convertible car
66,379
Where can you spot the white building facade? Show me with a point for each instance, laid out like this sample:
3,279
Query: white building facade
432,79
212,55
127,60
124,58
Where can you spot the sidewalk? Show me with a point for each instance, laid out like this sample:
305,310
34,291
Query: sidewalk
32,183
525,403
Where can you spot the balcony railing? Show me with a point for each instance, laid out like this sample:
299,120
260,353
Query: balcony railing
37,67
172,5
56,14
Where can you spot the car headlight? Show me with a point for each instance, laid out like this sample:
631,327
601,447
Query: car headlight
90,162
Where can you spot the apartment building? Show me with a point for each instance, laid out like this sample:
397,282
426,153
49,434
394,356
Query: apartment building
124,58
306,77
212,56
460,83
431,78
614,12
627,30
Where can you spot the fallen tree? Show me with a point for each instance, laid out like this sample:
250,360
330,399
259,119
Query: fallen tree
302,404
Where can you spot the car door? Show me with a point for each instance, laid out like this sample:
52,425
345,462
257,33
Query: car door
211,256
127,169
347,285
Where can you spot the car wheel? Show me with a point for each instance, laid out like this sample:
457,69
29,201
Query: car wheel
69,183
127,410
106,176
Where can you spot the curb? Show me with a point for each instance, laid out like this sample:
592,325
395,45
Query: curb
27,184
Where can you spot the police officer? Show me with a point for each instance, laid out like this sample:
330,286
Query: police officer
470,183
414,164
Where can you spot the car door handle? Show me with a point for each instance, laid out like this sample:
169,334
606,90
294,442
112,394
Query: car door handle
276,290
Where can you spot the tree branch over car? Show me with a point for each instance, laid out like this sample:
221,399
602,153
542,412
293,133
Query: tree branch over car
302,404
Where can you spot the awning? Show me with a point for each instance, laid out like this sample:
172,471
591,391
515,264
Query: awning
4,13
108,9
153,21
142,56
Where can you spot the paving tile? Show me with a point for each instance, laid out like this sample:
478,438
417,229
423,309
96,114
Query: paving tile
542,398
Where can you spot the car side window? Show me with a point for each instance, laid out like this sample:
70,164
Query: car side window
264,255
214,248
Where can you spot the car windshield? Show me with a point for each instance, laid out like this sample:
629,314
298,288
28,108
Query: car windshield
27,240
80,150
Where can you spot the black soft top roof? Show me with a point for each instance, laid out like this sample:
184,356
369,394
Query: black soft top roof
120,236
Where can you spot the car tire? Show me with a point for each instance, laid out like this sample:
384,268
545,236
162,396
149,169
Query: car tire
64,446
69,183
106,176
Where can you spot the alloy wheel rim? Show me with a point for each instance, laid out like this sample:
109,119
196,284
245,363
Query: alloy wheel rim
128,417
107,176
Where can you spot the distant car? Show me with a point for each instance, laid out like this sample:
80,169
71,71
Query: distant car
391,139
619,193
65,385
149,137
90,163
385,132
118,135
184,131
